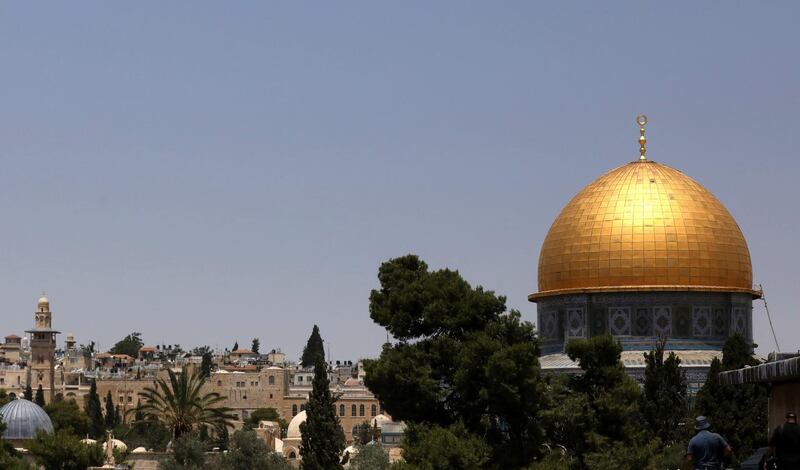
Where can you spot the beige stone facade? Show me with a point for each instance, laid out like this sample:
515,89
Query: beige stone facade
249,391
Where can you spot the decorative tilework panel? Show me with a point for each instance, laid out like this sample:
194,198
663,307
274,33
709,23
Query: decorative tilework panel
662,321
720,322
643,322
619,321
701,321
549,325
576,323
738,321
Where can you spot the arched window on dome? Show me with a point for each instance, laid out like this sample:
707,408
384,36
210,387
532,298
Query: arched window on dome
374,410
294,410
302,407
361,410
353,410
272,380
341,410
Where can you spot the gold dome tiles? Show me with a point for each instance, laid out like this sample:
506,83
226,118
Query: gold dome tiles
644,226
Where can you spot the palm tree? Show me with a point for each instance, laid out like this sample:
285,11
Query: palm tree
181,406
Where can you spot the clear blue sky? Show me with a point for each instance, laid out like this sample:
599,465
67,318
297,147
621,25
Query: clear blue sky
206,172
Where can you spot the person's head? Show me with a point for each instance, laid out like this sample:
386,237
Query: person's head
791,417
701,423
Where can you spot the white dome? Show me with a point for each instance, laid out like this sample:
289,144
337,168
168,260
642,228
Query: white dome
139,450
117,444
293,431
379,420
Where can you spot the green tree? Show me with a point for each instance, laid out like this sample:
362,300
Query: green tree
111,412
94,411
460,358
266,414
247,452
10,458
664,401
129,345
431,447
314,347
737,412
28,394
207,364
4,397
365,433
64,451
67,416
39,400
591,413
322,438
182,406
187,454
255,345
370,457
235,346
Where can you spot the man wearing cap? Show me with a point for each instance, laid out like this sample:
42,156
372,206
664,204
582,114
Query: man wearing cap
785,444
707,450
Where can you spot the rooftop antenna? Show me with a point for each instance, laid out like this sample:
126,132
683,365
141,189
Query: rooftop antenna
764,298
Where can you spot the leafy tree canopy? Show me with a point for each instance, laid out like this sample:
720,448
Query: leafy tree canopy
255,346
67,416
246,452
460,359
431,447
129,345
737,412
314,347
64,451
371,457
266,414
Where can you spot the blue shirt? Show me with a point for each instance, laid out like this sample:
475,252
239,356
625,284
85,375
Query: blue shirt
706,449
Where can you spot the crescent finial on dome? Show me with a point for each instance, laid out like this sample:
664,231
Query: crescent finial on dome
642,121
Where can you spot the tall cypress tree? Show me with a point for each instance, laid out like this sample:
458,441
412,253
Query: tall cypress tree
95,412
322,436
28,394
314,348
111,414
39,400
256,345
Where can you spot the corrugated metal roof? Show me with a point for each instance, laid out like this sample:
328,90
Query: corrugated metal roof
632,359
777,371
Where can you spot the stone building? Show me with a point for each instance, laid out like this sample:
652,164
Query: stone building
245,392
644,252
41,366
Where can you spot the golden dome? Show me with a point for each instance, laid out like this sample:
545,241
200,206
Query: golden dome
644,226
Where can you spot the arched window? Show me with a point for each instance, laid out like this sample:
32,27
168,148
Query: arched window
292,455
272,380
341,410
353,410
219,383
374,410
302,407
294,410
361,410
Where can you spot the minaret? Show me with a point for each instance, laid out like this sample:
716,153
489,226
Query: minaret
41,368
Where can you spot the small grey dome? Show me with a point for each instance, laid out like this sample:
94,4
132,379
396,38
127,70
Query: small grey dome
24,419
